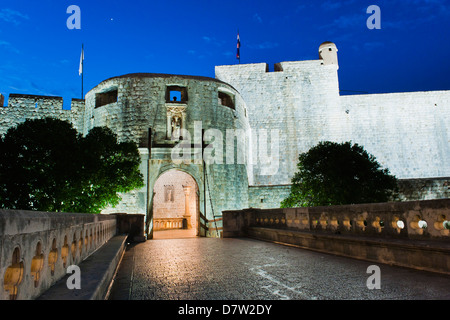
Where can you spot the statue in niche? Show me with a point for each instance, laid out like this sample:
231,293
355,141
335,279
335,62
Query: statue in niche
169,193
176,127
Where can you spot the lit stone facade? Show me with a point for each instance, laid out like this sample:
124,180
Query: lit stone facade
260,121
142,108
175,198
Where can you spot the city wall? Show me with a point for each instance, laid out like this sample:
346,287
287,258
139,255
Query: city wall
298,100
408,132
141,102
298,104
23,106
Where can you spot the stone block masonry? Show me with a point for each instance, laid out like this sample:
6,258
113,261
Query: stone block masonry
299,101
408,133
23,106
139,102
267,197
36,248
426,189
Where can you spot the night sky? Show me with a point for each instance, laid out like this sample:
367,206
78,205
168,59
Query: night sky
40,55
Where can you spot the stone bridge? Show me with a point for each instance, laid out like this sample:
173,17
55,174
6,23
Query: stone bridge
398,250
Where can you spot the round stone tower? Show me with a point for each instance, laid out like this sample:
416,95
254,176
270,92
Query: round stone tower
167,116
328,54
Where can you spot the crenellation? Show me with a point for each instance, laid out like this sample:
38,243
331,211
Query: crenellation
24,106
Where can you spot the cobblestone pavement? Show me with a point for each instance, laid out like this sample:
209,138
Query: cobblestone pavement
247,269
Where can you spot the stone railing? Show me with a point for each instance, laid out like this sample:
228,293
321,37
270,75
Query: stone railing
428,219
169,223
36,248
411,234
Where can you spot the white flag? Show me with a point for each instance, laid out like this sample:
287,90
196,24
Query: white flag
80,70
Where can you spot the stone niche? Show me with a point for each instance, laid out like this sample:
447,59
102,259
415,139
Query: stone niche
176,121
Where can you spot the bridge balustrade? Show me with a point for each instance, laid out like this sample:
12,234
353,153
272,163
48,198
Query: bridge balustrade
37,247
428,219
168,223
413,234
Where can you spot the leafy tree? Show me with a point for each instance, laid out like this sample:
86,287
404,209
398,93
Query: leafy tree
46,165
339,173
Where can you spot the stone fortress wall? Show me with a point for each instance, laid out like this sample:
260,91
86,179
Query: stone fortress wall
143,101
23,106
408,133
297,105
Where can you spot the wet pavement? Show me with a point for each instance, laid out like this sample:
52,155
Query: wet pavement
247,269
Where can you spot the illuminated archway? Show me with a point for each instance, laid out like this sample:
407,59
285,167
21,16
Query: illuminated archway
175,205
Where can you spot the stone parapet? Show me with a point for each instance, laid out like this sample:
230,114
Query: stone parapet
36,248
97,274
352,230
413,254
25,106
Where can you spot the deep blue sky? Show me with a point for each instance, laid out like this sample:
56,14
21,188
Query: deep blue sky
40,55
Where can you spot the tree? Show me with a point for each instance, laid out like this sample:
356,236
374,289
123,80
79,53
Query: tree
339,173
46,165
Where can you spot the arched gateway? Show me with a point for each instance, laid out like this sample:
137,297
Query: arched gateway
175,205
193,148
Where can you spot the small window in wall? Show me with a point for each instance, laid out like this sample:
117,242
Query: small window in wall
278,67
105,98
226,100
176,94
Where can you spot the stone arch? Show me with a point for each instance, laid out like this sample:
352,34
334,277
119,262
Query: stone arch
175,203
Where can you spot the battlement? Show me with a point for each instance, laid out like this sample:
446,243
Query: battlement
27,106
262,68
32,96
39,102
327,58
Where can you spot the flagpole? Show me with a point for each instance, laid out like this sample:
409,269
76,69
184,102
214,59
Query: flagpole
239,47
82,70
